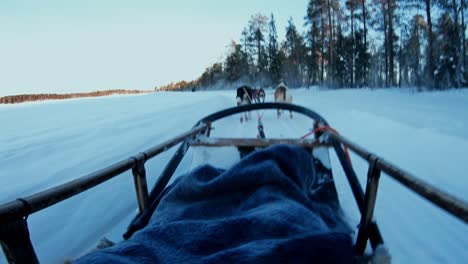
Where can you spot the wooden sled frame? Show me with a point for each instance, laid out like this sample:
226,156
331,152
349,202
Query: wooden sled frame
14,232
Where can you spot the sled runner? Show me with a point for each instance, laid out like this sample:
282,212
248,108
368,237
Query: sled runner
277,179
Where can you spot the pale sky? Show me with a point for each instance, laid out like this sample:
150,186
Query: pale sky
59,46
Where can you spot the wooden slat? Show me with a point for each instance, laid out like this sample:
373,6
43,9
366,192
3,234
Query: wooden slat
253,142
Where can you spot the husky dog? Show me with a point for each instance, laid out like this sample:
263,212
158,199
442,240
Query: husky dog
282,96
259,95
244,97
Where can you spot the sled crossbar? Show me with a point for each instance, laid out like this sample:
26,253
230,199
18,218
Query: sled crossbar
253,142
14,232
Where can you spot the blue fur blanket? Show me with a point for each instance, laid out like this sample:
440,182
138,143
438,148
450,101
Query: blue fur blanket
258,211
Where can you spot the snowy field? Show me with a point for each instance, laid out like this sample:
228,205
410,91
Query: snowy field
49,143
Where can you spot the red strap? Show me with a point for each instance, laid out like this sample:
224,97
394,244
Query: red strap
245,91
330,129
260,115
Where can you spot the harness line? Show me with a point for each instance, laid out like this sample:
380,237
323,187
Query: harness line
251,100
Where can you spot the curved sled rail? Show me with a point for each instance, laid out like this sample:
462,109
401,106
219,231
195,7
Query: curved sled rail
261,106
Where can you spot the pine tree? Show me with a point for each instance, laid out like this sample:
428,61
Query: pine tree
391,41
343,60
212,75
313,38
430,66
362,60
295,52
315,18
273,53
453,7
446,52
313,52
257,28
236,65
352,5
413,50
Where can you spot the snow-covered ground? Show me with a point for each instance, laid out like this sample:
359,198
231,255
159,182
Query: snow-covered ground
48,143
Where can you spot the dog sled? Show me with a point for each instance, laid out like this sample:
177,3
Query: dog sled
176,224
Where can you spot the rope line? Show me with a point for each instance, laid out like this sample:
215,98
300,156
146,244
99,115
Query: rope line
329,129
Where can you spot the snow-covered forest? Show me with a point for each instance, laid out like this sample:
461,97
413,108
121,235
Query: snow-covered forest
348,43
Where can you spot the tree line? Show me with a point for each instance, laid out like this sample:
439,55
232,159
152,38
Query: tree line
349,43
21,98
